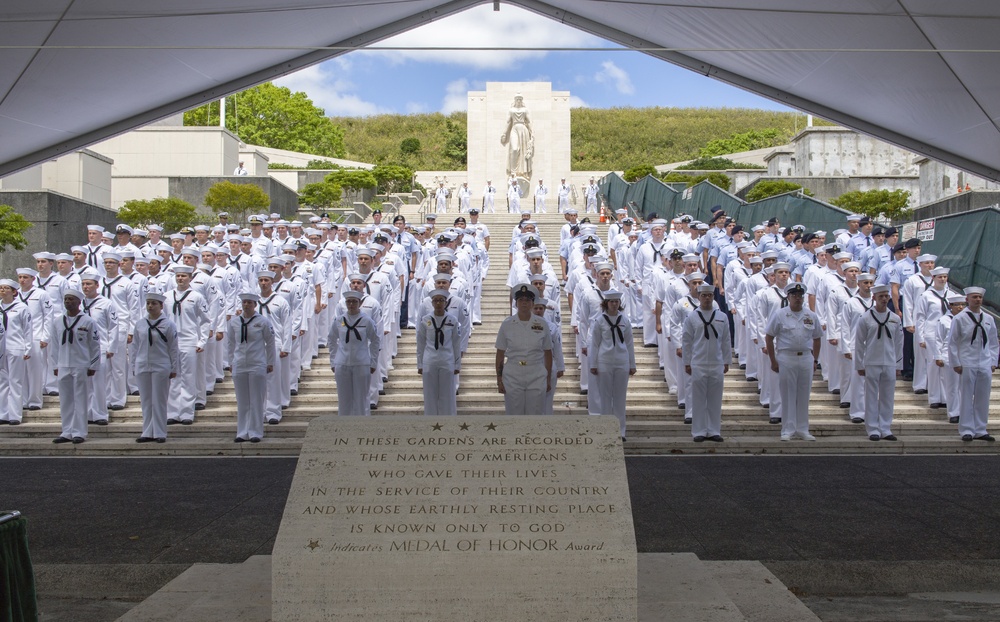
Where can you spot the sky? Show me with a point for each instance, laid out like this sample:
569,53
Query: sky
369,82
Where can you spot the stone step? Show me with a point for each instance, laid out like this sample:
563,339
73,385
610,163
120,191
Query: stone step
757,593
679,588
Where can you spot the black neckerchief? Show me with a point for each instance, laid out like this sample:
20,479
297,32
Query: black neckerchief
67,335
45,284
92,256
352,328
264,308
978,327
243,329
106,288
86,307
615,327
438,332
708,323
781,295
881,325
177,303
156,327
24,298
927,284
942,299
4,312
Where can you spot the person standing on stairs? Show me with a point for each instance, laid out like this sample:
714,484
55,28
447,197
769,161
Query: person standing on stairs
707,351
439,356
612,358
524,357
878,359
354,342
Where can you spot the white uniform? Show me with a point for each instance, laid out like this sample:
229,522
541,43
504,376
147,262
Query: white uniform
541,192
562,197
793,341
124,295
911,291
189,312
75,350
558,365
441,200
931,306
439,356
707,349
42,311
154,356
878,350
950,385
17,322
276,309
972,345
592,191
354,347
514,199
612,349
849,315
464,194
678,313
489,199
524,344
251,350
105,318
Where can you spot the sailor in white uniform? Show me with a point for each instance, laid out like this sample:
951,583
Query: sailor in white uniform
973,352
439,356
489,198
102,311
558,362
15,317
939,351
40,306
878,359
189,311
252,353
275,308
612,357
707,351
524,356
562,196
155,360
76,353
354,342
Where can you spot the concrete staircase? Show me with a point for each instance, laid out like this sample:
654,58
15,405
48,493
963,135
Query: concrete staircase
655,424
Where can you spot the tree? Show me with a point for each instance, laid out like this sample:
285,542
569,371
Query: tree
12,228
273,116
456,144
352,179
638,172
410,146
321,165
773,187
171,213
888,204
718,179
393,178
745,141
240,200
715,164
321,195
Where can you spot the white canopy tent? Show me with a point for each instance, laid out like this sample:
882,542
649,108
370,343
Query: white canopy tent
917,73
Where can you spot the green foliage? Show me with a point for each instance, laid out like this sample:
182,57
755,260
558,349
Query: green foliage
240,200
638,172
746,141
12,228
773,187
376,139
716,164
410,146
718,179
171,213
875,203
456,143
393,178
281,166
273,116
322,195
321,165
352,179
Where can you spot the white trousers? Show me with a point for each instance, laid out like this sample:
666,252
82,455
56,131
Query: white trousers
584,370
952,389
251,391
683,385
34,377
12,387
524,387
846,374
613,383
880,396
920,360
98,410
706,392
439,392
184,388
935,387
115,376
550,396
770,389
352,389
74,396
856,396
275,392
794,384
673,366
974,410
831,365
154,392
648,315
285,365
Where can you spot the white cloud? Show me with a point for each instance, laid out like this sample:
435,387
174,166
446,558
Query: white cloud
611,73
481,26
576,102
327,88
456,96
416,107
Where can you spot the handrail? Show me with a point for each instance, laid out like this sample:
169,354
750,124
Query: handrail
6,517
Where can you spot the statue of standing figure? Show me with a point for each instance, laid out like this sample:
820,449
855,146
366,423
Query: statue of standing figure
518,139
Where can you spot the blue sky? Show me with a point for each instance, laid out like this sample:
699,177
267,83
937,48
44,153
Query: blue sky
373,82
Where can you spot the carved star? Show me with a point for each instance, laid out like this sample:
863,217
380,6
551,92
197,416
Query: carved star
313,545
491,427
464,426
436,426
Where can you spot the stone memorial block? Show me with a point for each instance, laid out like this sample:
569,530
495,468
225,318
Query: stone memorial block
471,519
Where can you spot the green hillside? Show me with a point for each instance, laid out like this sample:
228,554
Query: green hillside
602,139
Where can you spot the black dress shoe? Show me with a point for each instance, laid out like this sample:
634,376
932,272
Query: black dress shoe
218,380
774,420
687,420
294,392
480,324
187,421
78,439
381,392
101,422
173,421
273,421
835,391
15,423
890,437
743,366
920,392
199,407
161,440
373,407
209,392
845,404
649,345
937,405
874,437
4,422
39,407
985,437
255,440
661,367
857,420
765,406
583,391
59,440
145,439
751,379
967,438
907,377
699,439
681,406
239,440
385,379
284,408
117,407
715,438
134,393
53,394
952,419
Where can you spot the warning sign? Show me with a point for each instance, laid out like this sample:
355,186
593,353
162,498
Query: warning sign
925,230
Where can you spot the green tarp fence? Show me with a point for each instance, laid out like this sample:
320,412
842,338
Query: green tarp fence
17,579
966,243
